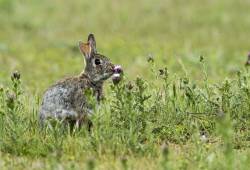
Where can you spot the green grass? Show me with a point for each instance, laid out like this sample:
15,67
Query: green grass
158,123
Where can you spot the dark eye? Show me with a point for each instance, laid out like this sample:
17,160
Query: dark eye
97,61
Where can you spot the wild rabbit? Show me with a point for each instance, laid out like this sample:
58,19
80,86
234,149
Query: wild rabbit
67,100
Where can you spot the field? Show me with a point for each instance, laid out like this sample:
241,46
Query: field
184,102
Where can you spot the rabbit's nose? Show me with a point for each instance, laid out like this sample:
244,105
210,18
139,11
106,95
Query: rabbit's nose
118,69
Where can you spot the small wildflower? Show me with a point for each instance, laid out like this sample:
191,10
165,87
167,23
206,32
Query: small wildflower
11,97
139,82
124,162
161,72
117,76
201,58
165,153
91,164
203,138
150,58
220,114
248,60
129,86
15,75
1,88
194,86
185,81
238,73
165,150
118,69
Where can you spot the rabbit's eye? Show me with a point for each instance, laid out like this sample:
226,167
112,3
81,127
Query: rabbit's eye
97,61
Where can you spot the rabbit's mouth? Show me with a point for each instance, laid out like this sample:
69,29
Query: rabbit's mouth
103,77
116,72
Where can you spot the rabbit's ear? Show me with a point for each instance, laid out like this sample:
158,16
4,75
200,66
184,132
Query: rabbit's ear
85,48
92,42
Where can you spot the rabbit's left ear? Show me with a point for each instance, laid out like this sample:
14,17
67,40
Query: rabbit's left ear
92,43
88,48
85,49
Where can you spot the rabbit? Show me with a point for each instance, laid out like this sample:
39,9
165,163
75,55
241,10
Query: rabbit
66,100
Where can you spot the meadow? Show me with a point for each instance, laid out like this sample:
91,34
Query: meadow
184,102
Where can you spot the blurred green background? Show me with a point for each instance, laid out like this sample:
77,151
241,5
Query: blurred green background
39,38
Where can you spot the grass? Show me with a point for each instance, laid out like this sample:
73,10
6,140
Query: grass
193,114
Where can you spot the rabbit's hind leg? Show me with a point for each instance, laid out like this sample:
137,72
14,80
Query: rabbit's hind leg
75,123
84,121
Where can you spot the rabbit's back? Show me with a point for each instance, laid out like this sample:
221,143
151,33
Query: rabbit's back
65,99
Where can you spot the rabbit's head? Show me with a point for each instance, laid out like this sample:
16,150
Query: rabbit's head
98,67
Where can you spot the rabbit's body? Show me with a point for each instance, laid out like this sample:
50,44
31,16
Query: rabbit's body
66,100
